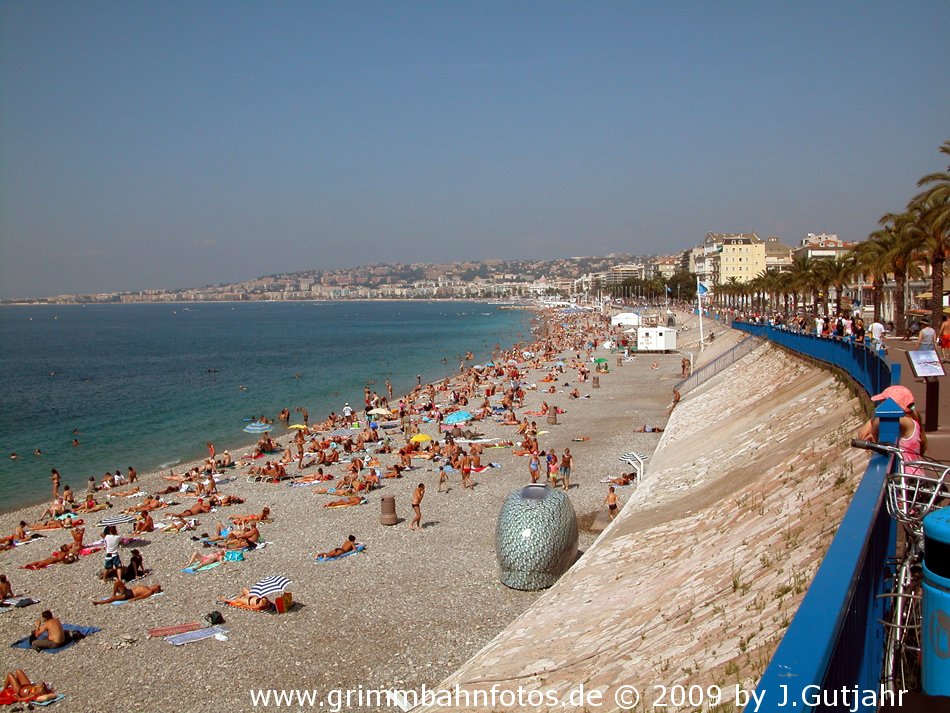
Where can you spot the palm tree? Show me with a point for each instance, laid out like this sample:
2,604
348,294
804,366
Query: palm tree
931,215
836,271
803,279
783,283
871,263
902,244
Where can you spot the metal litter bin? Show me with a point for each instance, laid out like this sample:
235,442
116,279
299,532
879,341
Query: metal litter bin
935,617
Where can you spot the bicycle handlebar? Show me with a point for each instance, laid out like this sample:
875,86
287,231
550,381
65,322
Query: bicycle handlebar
882,448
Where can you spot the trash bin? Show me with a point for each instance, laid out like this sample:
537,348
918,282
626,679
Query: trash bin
552,417
935,617
619,361
388,510
595,382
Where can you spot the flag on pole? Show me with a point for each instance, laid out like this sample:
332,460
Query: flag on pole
702,288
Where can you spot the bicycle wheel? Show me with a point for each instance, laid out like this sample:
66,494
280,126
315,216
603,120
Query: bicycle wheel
901,668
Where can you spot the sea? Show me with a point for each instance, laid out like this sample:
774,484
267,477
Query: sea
148,385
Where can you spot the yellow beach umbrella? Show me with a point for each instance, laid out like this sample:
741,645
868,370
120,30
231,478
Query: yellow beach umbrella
420,438
298,426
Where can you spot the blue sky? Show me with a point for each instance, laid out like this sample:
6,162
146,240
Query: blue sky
147,145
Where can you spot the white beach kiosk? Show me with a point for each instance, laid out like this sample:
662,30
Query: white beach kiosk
656,339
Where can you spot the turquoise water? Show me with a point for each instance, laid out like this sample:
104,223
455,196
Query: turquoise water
148,385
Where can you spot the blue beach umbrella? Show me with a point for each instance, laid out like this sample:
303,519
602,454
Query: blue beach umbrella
258,427
457,417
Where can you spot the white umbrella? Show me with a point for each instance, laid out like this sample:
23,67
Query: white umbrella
116,520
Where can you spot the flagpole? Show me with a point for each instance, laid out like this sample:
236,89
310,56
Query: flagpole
699,302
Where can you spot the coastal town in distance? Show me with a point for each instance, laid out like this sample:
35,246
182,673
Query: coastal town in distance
722,258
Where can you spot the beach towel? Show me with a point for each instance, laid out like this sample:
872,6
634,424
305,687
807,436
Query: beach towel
50,701
163,631
17,602
33,538
359,548
196,635
205,568
24,643
241,605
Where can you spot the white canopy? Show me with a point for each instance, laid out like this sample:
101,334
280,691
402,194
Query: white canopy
625,318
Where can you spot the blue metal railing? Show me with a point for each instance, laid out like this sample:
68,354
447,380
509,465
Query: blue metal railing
863,363
835,639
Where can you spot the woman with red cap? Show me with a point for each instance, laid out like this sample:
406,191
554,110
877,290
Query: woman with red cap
913,440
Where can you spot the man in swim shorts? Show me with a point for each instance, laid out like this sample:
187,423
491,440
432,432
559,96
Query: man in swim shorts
417,495
349,545
567,465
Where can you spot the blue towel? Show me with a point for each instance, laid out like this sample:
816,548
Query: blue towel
24,643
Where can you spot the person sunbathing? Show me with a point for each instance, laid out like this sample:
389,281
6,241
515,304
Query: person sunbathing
199,560
244,539
151,503
54,524
226,500
121,593
648,429
262,516
18,685
249,600
220,533
19,535
333,491
75,547
6,589
625,479
49,633
198,508
135,568
143,524
178,524
351,500
125,493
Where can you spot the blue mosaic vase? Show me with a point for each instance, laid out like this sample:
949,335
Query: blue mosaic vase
536,537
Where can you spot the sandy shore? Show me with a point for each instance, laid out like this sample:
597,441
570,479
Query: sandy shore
405,613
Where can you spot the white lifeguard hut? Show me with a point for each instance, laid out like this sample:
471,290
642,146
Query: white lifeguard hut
656,339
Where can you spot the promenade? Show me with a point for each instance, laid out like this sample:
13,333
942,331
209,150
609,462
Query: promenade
938,442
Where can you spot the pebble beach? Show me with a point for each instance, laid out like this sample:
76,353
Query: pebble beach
405,612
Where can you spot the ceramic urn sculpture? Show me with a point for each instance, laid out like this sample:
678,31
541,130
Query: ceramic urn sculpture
536,537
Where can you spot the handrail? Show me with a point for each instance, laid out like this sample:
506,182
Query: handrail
835,640
723,361
864,364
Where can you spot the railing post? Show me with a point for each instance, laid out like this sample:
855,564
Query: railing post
889,415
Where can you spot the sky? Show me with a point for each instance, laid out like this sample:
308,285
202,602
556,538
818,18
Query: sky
178,144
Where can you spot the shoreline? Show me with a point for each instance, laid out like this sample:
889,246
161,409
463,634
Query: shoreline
182,459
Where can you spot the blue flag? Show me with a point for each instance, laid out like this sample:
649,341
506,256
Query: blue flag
702,288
